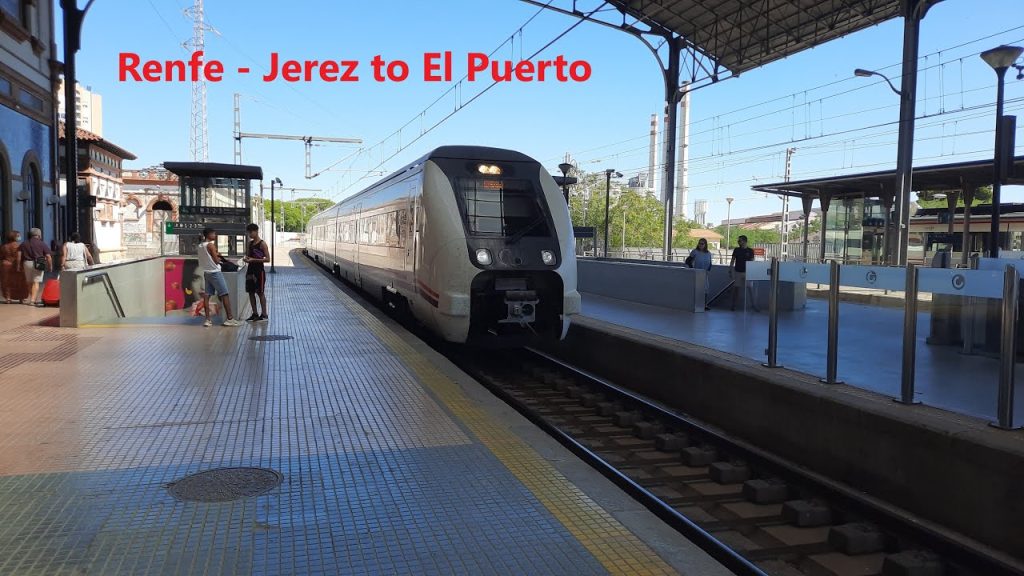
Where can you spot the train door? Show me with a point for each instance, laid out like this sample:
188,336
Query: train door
357,242
417,240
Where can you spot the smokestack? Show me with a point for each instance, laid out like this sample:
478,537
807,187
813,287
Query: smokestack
653,160
684,153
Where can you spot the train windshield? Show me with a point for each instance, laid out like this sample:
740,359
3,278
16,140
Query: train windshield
501,207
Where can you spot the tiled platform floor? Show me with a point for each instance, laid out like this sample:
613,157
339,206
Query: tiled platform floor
870,341
393,463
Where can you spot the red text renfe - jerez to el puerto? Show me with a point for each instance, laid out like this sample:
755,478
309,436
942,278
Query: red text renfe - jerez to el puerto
437,67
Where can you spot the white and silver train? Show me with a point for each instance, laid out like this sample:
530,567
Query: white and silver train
476,243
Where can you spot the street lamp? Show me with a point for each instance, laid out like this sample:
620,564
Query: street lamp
608,175
868,73
273,224
905,143
999,59
564,167
728,223
73,18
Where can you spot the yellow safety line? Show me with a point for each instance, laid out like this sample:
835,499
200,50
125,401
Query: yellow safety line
611,543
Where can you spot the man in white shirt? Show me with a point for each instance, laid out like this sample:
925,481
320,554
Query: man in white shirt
209,263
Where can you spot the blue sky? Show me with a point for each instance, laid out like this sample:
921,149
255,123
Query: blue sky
740,128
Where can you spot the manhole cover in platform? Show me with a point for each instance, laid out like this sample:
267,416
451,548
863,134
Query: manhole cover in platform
271,338
225,484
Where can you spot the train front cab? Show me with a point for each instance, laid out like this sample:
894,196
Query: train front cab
515,250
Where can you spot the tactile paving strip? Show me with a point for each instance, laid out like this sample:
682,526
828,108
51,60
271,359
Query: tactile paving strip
618,549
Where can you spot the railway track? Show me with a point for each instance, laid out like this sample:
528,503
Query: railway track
753,512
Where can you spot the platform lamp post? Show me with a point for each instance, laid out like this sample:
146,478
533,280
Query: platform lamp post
564,168
1000,59
608,175
728,223
73,17
273,224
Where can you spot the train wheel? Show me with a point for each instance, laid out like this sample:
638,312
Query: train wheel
395,304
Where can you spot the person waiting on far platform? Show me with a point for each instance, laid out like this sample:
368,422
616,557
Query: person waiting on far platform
700,259
256,255
738,269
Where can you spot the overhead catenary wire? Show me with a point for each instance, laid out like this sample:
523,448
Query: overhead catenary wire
791,97
462,105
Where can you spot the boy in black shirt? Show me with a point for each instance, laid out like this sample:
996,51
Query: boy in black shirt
256,255
738,268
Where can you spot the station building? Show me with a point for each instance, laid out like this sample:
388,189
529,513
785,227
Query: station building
28,81
99,169
151,198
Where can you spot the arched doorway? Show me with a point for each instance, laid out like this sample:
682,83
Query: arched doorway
163,211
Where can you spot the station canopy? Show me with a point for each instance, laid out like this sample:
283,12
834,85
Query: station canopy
936,178
740,35
214,170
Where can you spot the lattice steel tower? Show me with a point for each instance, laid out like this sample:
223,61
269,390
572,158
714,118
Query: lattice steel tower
197,132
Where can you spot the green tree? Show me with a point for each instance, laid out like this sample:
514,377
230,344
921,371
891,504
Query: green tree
797,233
982,195
292,216
640,216
753,236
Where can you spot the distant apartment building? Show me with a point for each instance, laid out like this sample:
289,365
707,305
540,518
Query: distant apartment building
28,81
99,167
88,108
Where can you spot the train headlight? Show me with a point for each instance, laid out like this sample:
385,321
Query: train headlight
483,256
548,257
489,169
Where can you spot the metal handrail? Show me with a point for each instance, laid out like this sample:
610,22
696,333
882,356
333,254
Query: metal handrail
111,291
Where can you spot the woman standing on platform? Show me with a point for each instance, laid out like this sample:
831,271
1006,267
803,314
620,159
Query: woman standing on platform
11,277
700,259
75,254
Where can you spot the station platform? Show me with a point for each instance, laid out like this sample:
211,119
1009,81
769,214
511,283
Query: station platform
870,340
390,460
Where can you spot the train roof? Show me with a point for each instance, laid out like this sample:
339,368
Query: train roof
454,152
476,153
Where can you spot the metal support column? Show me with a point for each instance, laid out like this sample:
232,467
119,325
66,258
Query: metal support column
607,205
808,205
1007,350
997,161
773,315
832,357
824,199
913,12
967,189
671,121
967,317
909,338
